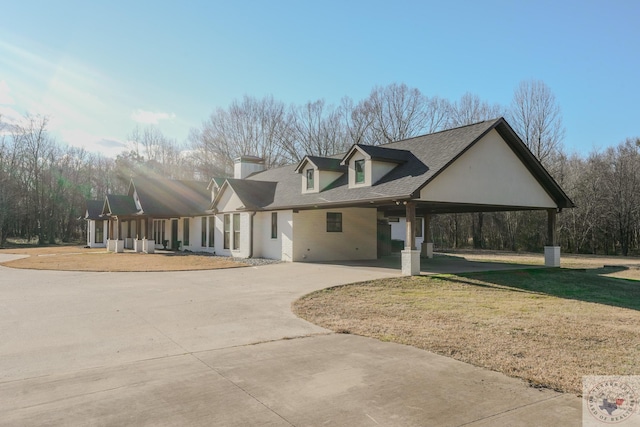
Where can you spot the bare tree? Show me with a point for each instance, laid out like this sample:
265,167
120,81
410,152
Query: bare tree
357,121
622,190
154,154
536,117
251,126
316,130
471,109
399,112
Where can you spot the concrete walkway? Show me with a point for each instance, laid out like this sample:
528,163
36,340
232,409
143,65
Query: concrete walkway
223,348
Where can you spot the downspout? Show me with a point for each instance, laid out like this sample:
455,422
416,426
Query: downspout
251,234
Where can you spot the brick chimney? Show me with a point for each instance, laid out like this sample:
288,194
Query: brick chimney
247,165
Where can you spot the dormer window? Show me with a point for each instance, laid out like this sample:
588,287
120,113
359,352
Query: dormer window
310,175
368,164
359,169
317,173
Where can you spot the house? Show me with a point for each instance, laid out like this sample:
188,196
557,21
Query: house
156,213
96,225
339,207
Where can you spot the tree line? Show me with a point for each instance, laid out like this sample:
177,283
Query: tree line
43,183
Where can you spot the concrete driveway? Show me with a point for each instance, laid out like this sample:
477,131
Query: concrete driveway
223,348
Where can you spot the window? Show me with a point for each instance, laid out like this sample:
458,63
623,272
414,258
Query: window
310,175
212,229
99,231
185,232
158,230
359,166
203,231
274,225
227,231
236,231
334,222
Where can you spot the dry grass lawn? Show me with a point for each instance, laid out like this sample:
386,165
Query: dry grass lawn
547,326
76,258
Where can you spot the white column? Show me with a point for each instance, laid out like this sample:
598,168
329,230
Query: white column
552,249
410,255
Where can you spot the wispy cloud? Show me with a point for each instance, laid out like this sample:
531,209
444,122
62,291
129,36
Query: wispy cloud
150,117
9,115
5,95
104,145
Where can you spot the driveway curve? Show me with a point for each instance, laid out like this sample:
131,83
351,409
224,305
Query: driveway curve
223,348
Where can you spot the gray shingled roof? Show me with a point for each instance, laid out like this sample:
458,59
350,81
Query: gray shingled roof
119,205
425,157
253,194
323,163
94,209
171,198
377,152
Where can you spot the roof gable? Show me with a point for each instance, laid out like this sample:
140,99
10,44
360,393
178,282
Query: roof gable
425,157
116,204
321,163
94,209
488,173
251,194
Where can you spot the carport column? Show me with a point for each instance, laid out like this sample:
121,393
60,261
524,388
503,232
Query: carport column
427,243
149,244
410,255
551,250
138,243
119,243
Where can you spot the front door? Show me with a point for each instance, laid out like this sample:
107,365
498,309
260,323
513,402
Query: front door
174,234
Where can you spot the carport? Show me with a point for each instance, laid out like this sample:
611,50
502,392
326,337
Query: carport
494,172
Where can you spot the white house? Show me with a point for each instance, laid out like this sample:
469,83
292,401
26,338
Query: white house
97,226
344,207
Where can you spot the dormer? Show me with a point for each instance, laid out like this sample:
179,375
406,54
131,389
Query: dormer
214,186
318,173
367,164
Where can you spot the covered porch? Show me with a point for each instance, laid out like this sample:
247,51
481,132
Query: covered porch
130,233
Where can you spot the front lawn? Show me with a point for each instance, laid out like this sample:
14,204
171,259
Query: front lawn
547,326
75,258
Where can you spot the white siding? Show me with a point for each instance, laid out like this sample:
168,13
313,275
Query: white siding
312,242
399,231
380,169
327,178
245,236
264,246
245,241
91,230
195,235
229,201
488,173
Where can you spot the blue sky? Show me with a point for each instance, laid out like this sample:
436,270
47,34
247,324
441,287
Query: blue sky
99,68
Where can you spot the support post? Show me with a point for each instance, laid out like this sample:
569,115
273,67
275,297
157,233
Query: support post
119,242
552,249
427,243
410,255
410,243
148,245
